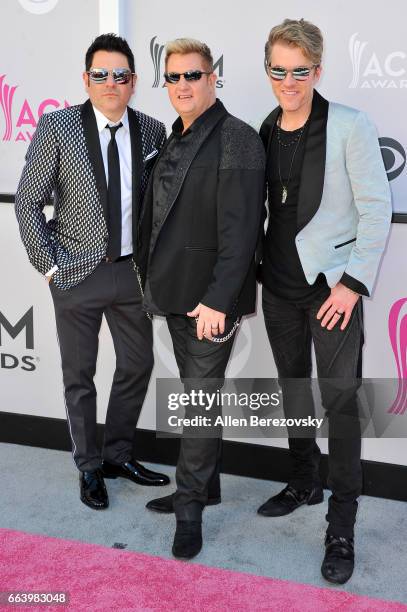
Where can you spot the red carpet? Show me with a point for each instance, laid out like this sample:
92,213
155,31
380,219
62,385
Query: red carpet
99,578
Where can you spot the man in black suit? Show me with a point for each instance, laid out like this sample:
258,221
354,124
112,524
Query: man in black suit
96,159
202,210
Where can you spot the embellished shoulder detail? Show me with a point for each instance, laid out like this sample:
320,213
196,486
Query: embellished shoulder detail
242,147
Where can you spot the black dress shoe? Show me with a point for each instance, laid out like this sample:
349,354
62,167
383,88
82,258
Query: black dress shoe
93,490
187,539
165,505
135,472
339,560
289,499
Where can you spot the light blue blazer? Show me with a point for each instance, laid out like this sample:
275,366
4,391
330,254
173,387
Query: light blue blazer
344,207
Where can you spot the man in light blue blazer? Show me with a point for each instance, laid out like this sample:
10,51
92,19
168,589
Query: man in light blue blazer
329,211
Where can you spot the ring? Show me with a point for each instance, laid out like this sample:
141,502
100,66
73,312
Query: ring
339,312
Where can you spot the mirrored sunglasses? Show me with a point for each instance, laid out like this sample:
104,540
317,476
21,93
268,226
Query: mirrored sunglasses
121,76
299,74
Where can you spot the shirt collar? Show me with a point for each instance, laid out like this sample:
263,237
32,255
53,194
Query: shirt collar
102,121
178,126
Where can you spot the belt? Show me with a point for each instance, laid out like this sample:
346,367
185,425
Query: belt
122,258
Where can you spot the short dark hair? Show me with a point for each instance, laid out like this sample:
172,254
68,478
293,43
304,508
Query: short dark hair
110,42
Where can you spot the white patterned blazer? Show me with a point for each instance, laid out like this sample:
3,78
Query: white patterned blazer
64,159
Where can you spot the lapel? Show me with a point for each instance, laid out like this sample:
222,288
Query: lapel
216,113
148,195
147,202
91,133
313,167
136,166
267,129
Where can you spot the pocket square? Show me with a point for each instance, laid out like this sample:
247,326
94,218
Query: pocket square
153,153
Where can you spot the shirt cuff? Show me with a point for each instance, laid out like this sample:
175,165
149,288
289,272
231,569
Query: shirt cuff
355,285
52,271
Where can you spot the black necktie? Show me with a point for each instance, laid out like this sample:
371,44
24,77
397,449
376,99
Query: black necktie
114,200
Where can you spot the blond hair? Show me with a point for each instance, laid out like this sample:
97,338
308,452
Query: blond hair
183,46
297,33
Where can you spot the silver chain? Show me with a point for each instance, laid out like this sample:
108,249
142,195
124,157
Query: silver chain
228,335
150,316
140,284
284,193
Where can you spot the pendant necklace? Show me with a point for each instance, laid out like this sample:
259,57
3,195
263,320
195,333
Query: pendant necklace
295,141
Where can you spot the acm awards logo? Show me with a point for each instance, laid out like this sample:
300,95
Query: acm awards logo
386,72
27,114
38,7
373,72
10,330
156,52
398,339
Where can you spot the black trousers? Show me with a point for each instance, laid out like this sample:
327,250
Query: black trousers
291,329
202,365
111,290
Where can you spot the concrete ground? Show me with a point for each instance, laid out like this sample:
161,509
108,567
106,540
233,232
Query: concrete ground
40,494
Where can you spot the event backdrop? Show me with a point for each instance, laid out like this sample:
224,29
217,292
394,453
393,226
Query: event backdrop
40,70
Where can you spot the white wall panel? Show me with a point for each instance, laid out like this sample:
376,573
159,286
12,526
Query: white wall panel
365,66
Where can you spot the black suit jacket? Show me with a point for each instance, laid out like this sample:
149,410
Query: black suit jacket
203,250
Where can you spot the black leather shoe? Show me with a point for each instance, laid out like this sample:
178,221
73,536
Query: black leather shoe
135,472
289,499
339,560
165,505
93,490
187,539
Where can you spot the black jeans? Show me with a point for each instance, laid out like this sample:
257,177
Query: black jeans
111,290
202,365
291,329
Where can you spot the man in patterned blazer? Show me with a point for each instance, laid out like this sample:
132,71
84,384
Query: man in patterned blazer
96,159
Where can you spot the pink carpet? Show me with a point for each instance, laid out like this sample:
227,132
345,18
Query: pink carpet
100,578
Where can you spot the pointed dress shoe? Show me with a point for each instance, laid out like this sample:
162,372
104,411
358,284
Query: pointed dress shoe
187,539
339,560
289,499
165,505
93,490
136,472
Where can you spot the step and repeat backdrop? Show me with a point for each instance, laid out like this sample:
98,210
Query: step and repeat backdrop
42,52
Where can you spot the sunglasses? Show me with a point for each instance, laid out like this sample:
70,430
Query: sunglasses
121,76
190,75
299,74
